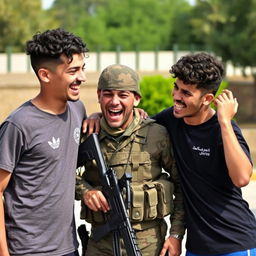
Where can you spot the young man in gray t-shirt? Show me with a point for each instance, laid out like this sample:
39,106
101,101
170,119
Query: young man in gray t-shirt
38,153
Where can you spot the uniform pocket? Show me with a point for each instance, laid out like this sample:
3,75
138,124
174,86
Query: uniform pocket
165,190
137,211
151,201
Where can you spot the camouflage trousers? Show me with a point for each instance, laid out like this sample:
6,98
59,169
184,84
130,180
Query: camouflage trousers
150,242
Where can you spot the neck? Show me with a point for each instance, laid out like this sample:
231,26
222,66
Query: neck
118,131
49,105
202,117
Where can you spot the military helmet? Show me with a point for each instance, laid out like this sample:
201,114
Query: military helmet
119,77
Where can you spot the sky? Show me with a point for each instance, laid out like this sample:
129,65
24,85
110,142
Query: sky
47,3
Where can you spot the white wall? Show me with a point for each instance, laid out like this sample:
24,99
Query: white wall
142,61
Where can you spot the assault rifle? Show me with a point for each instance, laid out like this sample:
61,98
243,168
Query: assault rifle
117,217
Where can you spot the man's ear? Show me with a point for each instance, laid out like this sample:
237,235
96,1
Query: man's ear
208,99
98,94
136,100
44,75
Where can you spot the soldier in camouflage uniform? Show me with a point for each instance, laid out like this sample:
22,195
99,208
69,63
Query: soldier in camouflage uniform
142,148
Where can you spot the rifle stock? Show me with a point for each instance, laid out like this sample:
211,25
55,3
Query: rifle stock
117,217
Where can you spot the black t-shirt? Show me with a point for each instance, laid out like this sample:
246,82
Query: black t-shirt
218,219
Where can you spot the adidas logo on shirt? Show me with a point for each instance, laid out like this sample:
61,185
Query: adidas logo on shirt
55,143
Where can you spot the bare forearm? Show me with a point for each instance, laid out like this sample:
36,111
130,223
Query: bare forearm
239,166
3,242
4,180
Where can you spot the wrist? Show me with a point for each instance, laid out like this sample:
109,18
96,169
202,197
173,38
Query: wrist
178,237
226,127
225,122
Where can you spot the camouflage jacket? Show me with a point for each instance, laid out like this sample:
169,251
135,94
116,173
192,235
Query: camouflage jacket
145,151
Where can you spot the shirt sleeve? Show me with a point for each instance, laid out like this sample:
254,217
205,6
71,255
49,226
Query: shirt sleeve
12,144
242,141
169,165
81,185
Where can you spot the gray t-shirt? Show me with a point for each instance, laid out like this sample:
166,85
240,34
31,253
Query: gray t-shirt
40,149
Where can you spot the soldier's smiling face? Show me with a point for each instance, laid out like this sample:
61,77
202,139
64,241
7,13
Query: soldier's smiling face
117,106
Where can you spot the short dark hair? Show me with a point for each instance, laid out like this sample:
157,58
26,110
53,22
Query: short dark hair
51,44
200,69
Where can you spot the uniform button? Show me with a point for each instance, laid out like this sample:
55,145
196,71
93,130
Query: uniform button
137,214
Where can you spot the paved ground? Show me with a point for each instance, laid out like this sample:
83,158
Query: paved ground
249,194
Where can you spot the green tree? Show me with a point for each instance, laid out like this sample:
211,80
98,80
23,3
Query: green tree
156,93
182,33
229,28
19,20
130,24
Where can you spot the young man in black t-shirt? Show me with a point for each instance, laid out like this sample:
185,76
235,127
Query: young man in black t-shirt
213,160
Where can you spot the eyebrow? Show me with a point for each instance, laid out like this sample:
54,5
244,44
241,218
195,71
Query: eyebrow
183,91
75,67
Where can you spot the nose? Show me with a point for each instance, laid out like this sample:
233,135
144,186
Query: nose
176,94
115,100
81,76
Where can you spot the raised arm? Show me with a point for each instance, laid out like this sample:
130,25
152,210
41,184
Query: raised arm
4,180
239,166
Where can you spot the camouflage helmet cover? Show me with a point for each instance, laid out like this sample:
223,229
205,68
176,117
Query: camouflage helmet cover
119,77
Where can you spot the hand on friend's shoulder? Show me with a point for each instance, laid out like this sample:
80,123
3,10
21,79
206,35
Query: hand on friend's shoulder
92,123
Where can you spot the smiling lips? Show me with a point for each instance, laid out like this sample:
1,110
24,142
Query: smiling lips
179,106
75,87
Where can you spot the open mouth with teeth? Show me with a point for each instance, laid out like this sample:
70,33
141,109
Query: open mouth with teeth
74,88
115,113
180,104
178,107
115,117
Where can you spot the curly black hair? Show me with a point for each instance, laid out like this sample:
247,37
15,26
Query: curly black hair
51,44
200,69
